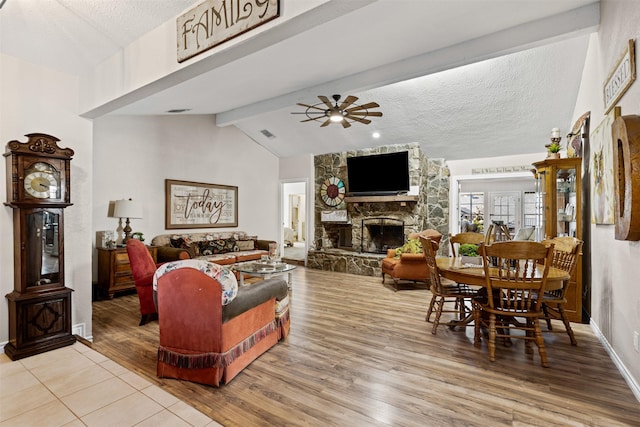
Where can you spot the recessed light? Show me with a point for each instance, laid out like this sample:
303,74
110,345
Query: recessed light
179,110
376,135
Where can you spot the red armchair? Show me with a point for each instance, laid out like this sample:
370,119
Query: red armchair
142,268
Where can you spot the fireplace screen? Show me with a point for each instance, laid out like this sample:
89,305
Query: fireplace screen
380,234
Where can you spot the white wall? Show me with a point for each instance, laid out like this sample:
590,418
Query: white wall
615,296
39,100
149,63
133,156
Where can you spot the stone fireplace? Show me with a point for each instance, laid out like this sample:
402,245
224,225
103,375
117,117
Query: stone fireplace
357,241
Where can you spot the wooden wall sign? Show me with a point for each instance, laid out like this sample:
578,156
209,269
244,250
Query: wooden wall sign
213,22
199,205
626,146
622,76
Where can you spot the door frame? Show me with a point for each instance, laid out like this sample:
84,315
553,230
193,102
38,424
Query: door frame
284,207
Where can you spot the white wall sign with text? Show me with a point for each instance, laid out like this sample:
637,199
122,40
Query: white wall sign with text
622,76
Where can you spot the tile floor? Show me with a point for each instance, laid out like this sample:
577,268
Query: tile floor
77,386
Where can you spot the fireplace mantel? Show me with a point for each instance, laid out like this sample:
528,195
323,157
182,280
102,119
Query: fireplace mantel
380,199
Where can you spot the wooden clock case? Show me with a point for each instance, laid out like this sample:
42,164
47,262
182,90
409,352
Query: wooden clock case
38,190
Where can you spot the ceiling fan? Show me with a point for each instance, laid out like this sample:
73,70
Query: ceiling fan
345,113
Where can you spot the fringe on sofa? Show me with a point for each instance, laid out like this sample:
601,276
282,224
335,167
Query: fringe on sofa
215,360
282,319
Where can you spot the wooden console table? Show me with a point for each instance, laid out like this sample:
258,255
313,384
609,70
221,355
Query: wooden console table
114,270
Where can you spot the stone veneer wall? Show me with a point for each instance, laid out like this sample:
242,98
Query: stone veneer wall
430,211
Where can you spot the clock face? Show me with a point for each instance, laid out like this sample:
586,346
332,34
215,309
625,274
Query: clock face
42,181
332,191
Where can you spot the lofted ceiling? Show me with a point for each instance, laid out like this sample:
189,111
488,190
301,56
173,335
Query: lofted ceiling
464,78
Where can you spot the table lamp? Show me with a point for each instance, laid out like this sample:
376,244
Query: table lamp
127,209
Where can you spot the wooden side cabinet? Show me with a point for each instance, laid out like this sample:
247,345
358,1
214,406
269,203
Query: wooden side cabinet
560,192
114,270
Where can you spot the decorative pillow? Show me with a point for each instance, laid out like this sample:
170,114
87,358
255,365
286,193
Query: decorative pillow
246,245
413,246
223,275
217,246
186,244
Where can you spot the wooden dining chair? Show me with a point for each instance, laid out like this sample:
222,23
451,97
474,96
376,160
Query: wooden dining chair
444,290
466,237
566,251
512,290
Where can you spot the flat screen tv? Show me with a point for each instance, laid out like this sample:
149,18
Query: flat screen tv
379,174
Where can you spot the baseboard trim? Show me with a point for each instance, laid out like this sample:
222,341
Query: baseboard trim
633,384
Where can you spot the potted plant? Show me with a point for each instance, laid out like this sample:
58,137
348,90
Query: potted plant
469,254
554,150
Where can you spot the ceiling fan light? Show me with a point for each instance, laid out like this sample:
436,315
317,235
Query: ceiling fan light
336,116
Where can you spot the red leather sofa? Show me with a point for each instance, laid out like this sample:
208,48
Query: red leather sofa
205,342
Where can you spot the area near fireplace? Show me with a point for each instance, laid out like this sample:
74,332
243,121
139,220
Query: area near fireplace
356,242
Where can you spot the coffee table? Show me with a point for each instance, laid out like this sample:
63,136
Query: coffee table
265,269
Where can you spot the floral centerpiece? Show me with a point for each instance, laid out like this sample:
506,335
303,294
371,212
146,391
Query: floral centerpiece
469,254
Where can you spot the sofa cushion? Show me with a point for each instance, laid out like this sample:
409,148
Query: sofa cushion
223,275
222,259
184,242
253,295
217,246
246,245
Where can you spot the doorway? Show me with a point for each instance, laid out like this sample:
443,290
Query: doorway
294,222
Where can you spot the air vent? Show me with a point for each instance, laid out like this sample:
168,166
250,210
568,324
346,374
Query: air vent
267,134
179,110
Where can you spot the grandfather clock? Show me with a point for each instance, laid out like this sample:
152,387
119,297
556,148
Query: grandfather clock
38,190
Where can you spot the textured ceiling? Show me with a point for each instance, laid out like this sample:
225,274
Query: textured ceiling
465,78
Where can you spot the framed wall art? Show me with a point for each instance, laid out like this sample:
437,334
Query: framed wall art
601,161
199,205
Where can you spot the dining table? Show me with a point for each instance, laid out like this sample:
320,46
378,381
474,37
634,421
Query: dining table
455,269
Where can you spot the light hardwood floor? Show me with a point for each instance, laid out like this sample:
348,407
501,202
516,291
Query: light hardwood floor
360,354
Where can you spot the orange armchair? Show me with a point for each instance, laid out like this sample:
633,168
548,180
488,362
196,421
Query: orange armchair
412,267
142,268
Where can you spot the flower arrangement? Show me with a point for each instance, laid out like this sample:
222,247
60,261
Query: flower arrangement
138,235
469,254
468,249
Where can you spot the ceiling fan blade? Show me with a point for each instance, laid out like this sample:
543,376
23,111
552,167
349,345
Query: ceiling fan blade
310,119
345,123
348,101
327,123
364,107
325,100
310,106
359,119
365,113
320,113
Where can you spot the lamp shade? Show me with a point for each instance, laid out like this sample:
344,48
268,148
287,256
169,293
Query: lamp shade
127,209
